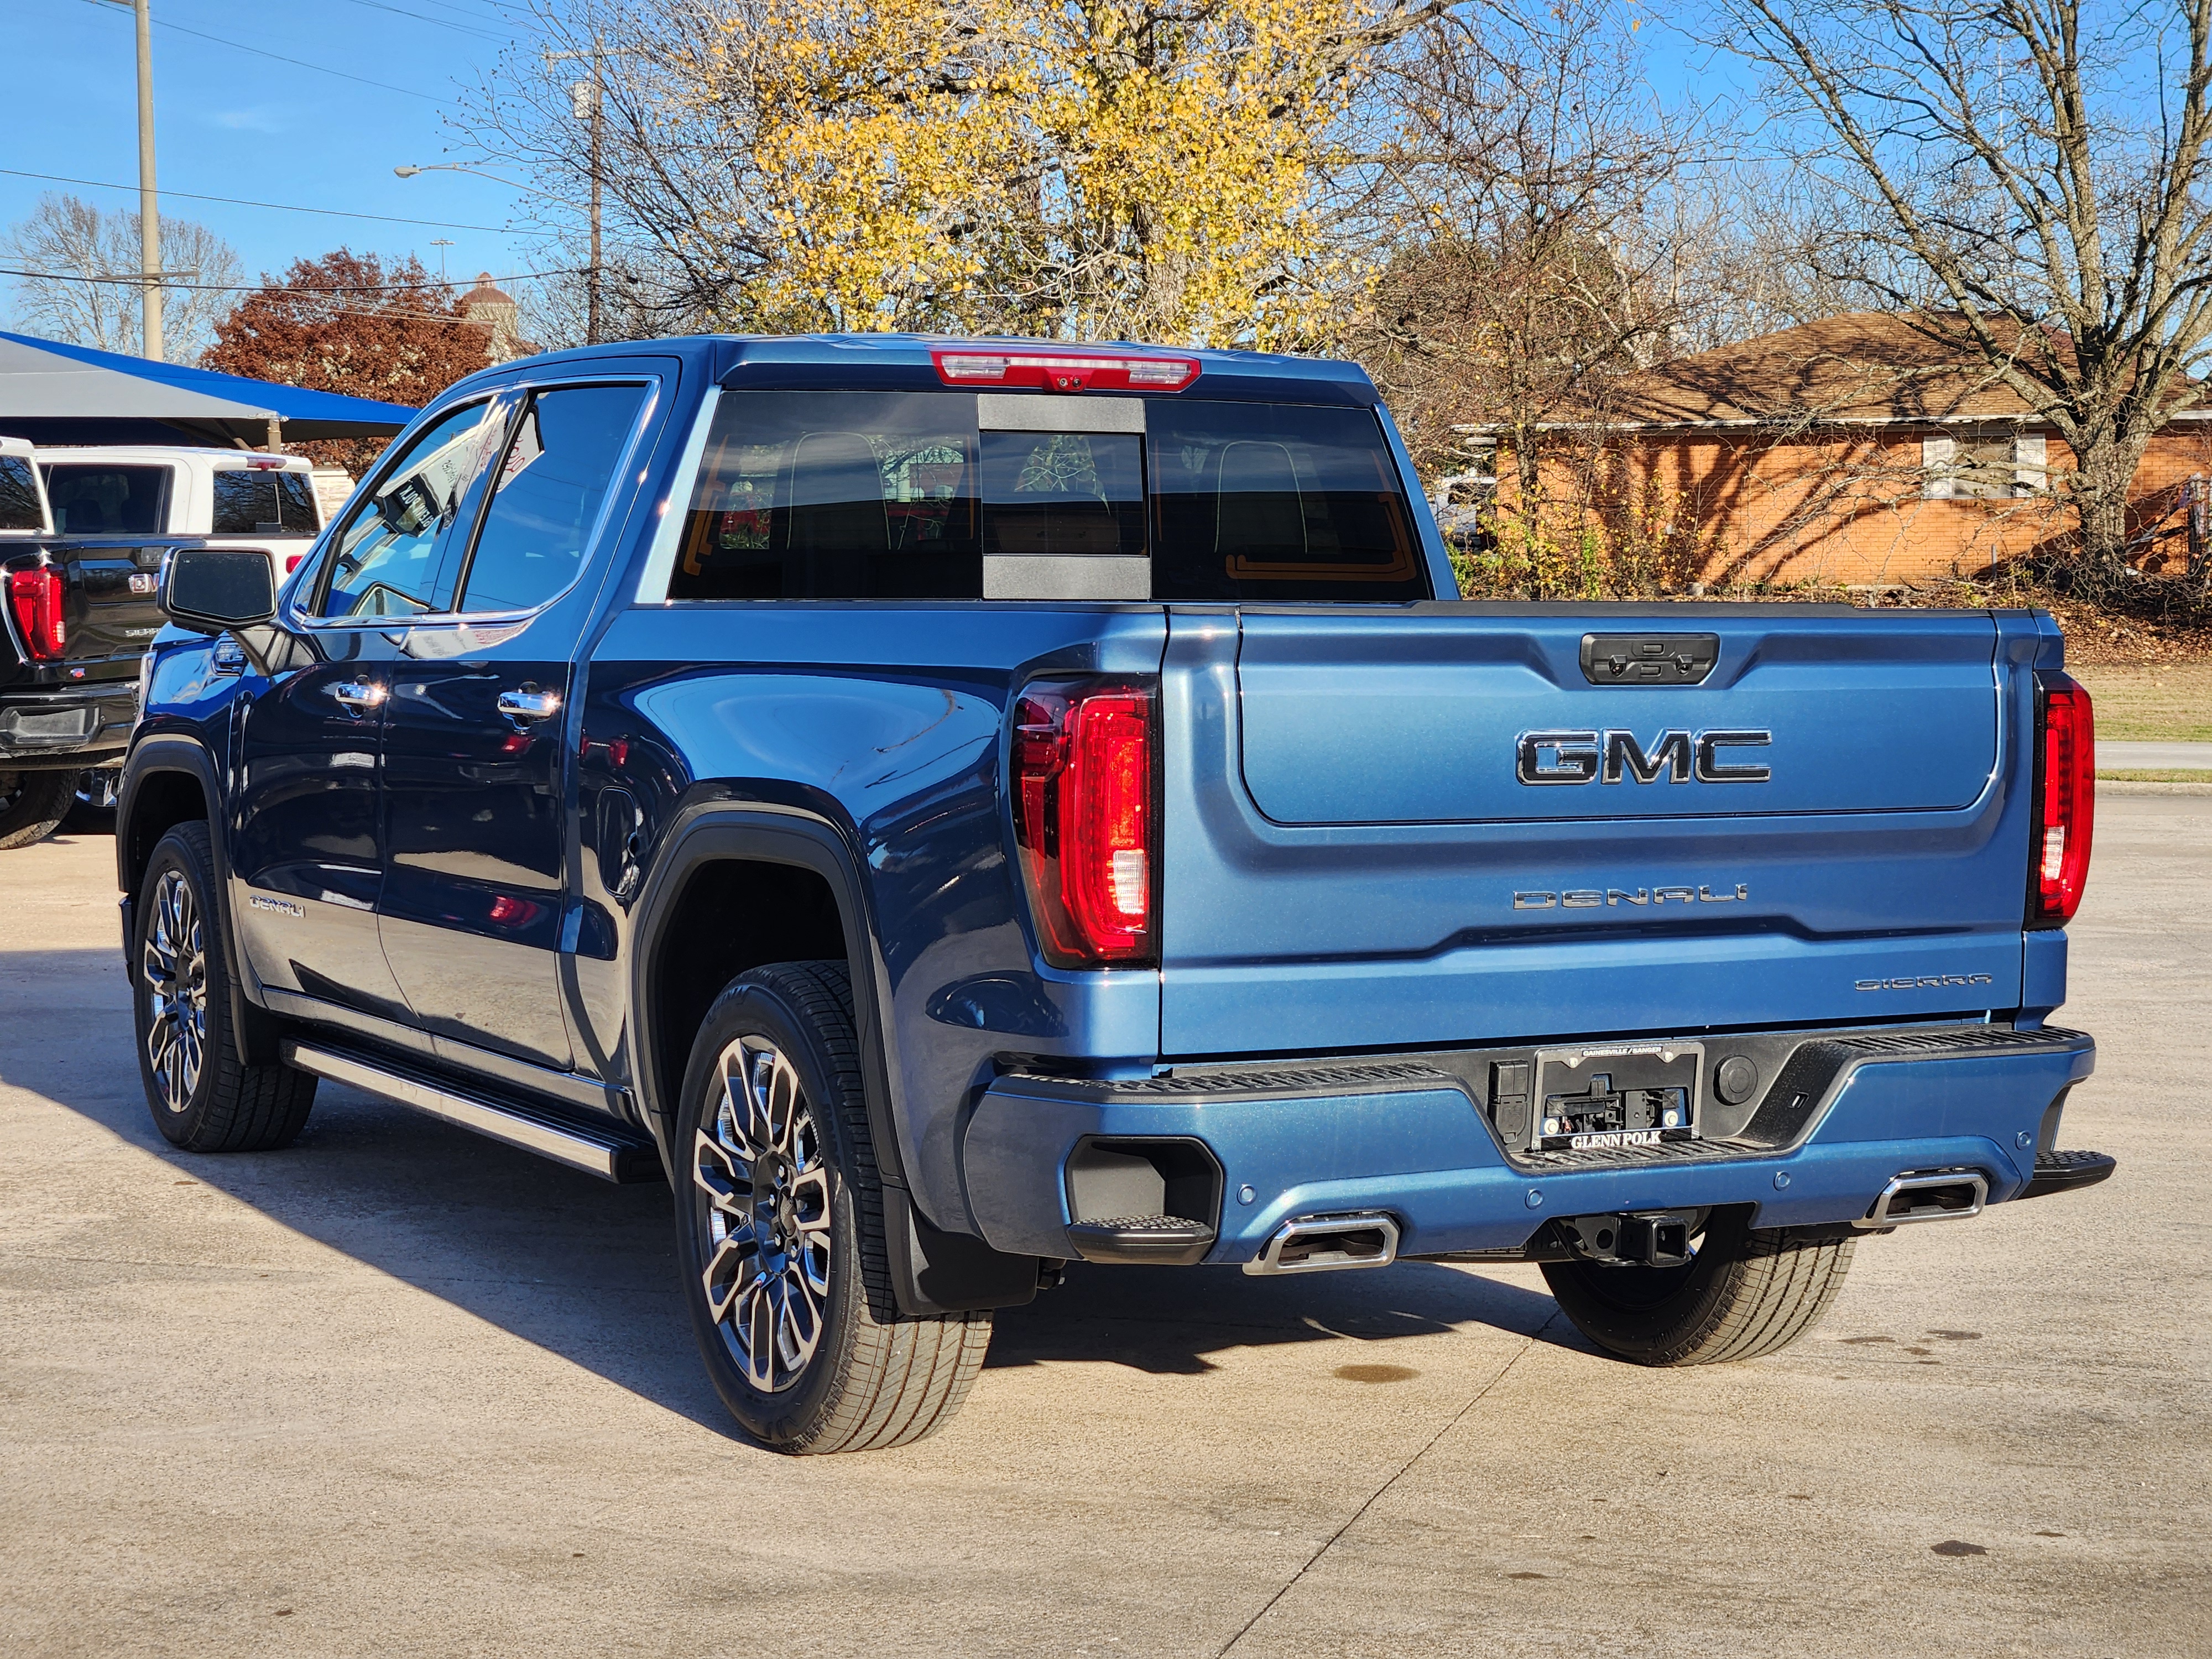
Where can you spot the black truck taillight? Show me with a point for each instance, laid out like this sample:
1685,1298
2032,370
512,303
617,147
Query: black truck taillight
1084,822
36,597
2066,799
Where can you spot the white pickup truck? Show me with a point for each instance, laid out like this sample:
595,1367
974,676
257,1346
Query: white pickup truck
235,496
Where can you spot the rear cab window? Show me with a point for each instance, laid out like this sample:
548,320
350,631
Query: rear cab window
91,498
881,495
264,502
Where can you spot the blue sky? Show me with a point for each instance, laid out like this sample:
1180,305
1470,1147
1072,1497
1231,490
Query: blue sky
231,123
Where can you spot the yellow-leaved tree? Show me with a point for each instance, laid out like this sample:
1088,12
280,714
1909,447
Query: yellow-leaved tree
1093,168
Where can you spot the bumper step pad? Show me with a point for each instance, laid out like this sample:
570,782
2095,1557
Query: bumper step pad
2062,1172
1166,1240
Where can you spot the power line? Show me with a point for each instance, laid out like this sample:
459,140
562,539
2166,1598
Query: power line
139,281
237,201
277,57
435,22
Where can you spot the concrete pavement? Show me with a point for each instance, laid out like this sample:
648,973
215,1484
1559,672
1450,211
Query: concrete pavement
2154,756
398,1391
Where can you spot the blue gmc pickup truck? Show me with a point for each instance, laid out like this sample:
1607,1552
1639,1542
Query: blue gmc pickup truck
950,807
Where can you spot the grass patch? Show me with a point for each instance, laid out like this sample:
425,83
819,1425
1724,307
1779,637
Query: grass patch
2156,774
2150,702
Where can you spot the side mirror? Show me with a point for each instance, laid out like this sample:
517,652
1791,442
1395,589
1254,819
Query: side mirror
212,590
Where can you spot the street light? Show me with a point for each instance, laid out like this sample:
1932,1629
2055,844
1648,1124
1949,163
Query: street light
592,274
455,166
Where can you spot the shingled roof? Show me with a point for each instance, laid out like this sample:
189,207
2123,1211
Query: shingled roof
1861,366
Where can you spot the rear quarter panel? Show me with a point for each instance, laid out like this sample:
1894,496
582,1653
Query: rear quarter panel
886,721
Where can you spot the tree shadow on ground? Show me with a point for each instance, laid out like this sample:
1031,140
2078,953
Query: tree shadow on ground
587,1270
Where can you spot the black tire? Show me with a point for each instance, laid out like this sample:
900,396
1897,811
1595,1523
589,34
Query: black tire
33,805
204,1098
92,804
793,1196
1745,1293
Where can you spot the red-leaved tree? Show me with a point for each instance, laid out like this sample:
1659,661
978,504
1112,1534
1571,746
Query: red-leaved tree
350,323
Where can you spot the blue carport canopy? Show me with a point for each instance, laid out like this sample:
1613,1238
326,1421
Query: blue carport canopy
52,393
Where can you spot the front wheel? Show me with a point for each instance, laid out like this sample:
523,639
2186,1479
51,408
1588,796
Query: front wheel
203,1095
779,1230
1745,1293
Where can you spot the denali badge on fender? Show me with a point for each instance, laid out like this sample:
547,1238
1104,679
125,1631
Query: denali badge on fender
1616,756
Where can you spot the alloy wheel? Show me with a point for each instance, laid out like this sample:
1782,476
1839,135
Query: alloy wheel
758,1160
175,966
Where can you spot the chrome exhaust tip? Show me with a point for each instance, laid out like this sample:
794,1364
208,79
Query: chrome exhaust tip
1945,1195
1324,1244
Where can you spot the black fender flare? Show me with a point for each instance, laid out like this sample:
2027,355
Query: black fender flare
259,1032
712,831
932,1272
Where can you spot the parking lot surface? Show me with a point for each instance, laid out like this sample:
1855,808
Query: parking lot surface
399,1391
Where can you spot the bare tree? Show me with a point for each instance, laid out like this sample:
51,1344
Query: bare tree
76,242
2034,174
1755,246
1542,227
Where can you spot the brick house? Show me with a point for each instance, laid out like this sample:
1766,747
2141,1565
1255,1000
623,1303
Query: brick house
1852,450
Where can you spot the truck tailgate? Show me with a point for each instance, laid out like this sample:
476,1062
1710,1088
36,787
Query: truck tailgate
1394,829
109,605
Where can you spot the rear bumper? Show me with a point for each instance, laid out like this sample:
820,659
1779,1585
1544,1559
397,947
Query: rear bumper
42,729
1311,1139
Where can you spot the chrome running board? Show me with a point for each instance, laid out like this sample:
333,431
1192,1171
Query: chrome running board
609,1155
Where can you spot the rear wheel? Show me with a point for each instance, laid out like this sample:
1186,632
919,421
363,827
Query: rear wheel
779,1230
32,805
1745,1293
204,1096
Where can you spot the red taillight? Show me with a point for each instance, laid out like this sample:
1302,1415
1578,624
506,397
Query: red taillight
1082,778
36,597
1062,371
2066,805
292,562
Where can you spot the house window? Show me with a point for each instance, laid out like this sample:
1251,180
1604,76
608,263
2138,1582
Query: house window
1982,465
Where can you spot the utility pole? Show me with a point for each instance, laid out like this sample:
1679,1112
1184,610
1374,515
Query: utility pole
587,102
441,243
150,211
586,99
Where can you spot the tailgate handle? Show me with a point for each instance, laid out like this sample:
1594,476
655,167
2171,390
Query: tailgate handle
1648,658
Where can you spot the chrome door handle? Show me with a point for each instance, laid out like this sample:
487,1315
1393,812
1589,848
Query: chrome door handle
529,705
357,695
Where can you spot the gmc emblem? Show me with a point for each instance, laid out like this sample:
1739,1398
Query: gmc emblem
1616,756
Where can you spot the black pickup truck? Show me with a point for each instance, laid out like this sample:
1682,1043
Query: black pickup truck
80,611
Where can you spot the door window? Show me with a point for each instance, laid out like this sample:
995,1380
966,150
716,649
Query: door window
546,498
390,553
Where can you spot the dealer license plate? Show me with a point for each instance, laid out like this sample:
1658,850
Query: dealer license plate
1620,1094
